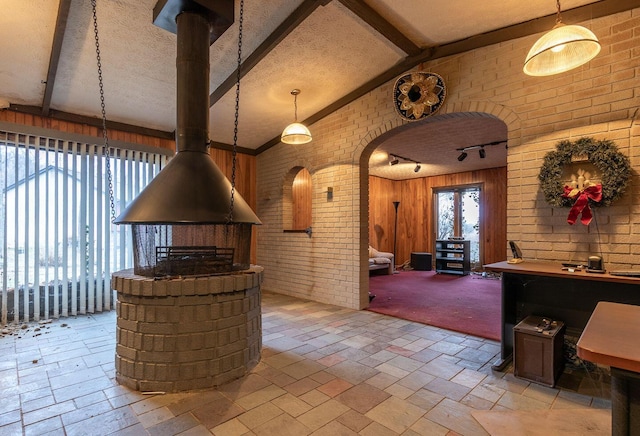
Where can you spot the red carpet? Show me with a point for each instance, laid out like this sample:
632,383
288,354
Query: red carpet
467,304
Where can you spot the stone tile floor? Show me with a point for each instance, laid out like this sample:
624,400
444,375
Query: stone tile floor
325,370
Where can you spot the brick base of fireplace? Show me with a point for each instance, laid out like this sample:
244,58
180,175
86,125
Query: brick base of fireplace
183,334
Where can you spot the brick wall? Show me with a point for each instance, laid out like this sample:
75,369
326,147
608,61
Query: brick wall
598,100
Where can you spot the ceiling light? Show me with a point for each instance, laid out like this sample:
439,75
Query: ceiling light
417,168
393,160
563,48
296,133
462,156
482,153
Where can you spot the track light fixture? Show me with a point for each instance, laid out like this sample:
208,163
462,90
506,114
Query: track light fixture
481,151
394,159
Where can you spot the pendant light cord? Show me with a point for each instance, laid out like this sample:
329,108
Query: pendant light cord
559,18
105,136
237,111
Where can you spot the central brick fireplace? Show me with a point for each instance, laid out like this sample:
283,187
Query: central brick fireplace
189,312
180,334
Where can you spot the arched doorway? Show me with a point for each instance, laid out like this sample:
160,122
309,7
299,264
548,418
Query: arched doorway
431,149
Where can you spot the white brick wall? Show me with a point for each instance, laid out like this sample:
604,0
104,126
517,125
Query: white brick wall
598,100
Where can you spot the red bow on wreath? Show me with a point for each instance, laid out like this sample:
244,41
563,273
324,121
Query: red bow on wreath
581,206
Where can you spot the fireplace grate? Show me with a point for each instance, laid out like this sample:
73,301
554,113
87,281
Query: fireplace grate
192,260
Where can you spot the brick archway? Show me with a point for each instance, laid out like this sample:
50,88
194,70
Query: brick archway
375,137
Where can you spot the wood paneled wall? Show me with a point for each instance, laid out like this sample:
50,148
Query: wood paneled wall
245,164
415,224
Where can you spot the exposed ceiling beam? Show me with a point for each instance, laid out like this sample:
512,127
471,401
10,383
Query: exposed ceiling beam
583,13
56,48
281,32
92,121
386,29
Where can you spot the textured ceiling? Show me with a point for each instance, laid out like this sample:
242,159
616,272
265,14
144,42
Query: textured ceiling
328,55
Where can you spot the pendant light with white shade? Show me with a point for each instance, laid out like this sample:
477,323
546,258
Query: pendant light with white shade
563,48
296,133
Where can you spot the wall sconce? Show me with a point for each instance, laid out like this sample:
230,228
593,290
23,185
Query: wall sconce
330,193
561,49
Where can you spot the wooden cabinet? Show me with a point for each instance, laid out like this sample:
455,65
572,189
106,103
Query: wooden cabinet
452,256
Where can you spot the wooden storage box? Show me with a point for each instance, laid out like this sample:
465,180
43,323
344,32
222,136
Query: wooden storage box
537,350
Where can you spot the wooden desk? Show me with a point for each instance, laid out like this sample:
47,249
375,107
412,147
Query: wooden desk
611,338
544,289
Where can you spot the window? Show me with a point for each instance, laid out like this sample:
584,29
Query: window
297,201
458,214
58,247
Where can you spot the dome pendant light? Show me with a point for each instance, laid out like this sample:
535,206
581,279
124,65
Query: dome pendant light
296,133
563,48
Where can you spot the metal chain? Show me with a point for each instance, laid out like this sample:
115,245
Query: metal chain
104,114
559,18
235,123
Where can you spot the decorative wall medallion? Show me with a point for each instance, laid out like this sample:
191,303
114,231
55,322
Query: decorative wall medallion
418,95
584,173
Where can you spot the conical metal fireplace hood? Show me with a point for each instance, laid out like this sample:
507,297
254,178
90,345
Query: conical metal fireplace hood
191,189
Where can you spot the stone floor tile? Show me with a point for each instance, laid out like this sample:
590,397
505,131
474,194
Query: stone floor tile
424,426
441,367
105,423
513,401
399,391
425,399
303,386
155,416
468,378
261,414
314,398
322,414
174,426
395,414
334,428
353,372
377,429
49,426
230,428
447,388
334,387
47,412
302,369
362,397
291,405
216,412
456,417
283,425
257,398
81,414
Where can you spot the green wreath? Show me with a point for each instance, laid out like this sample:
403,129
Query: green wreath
604,155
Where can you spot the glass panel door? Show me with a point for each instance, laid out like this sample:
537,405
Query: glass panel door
458,215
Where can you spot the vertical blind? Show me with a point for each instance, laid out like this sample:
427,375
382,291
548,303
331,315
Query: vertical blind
58,246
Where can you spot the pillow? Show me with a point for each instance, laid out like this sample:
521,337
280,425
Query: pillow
381,260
